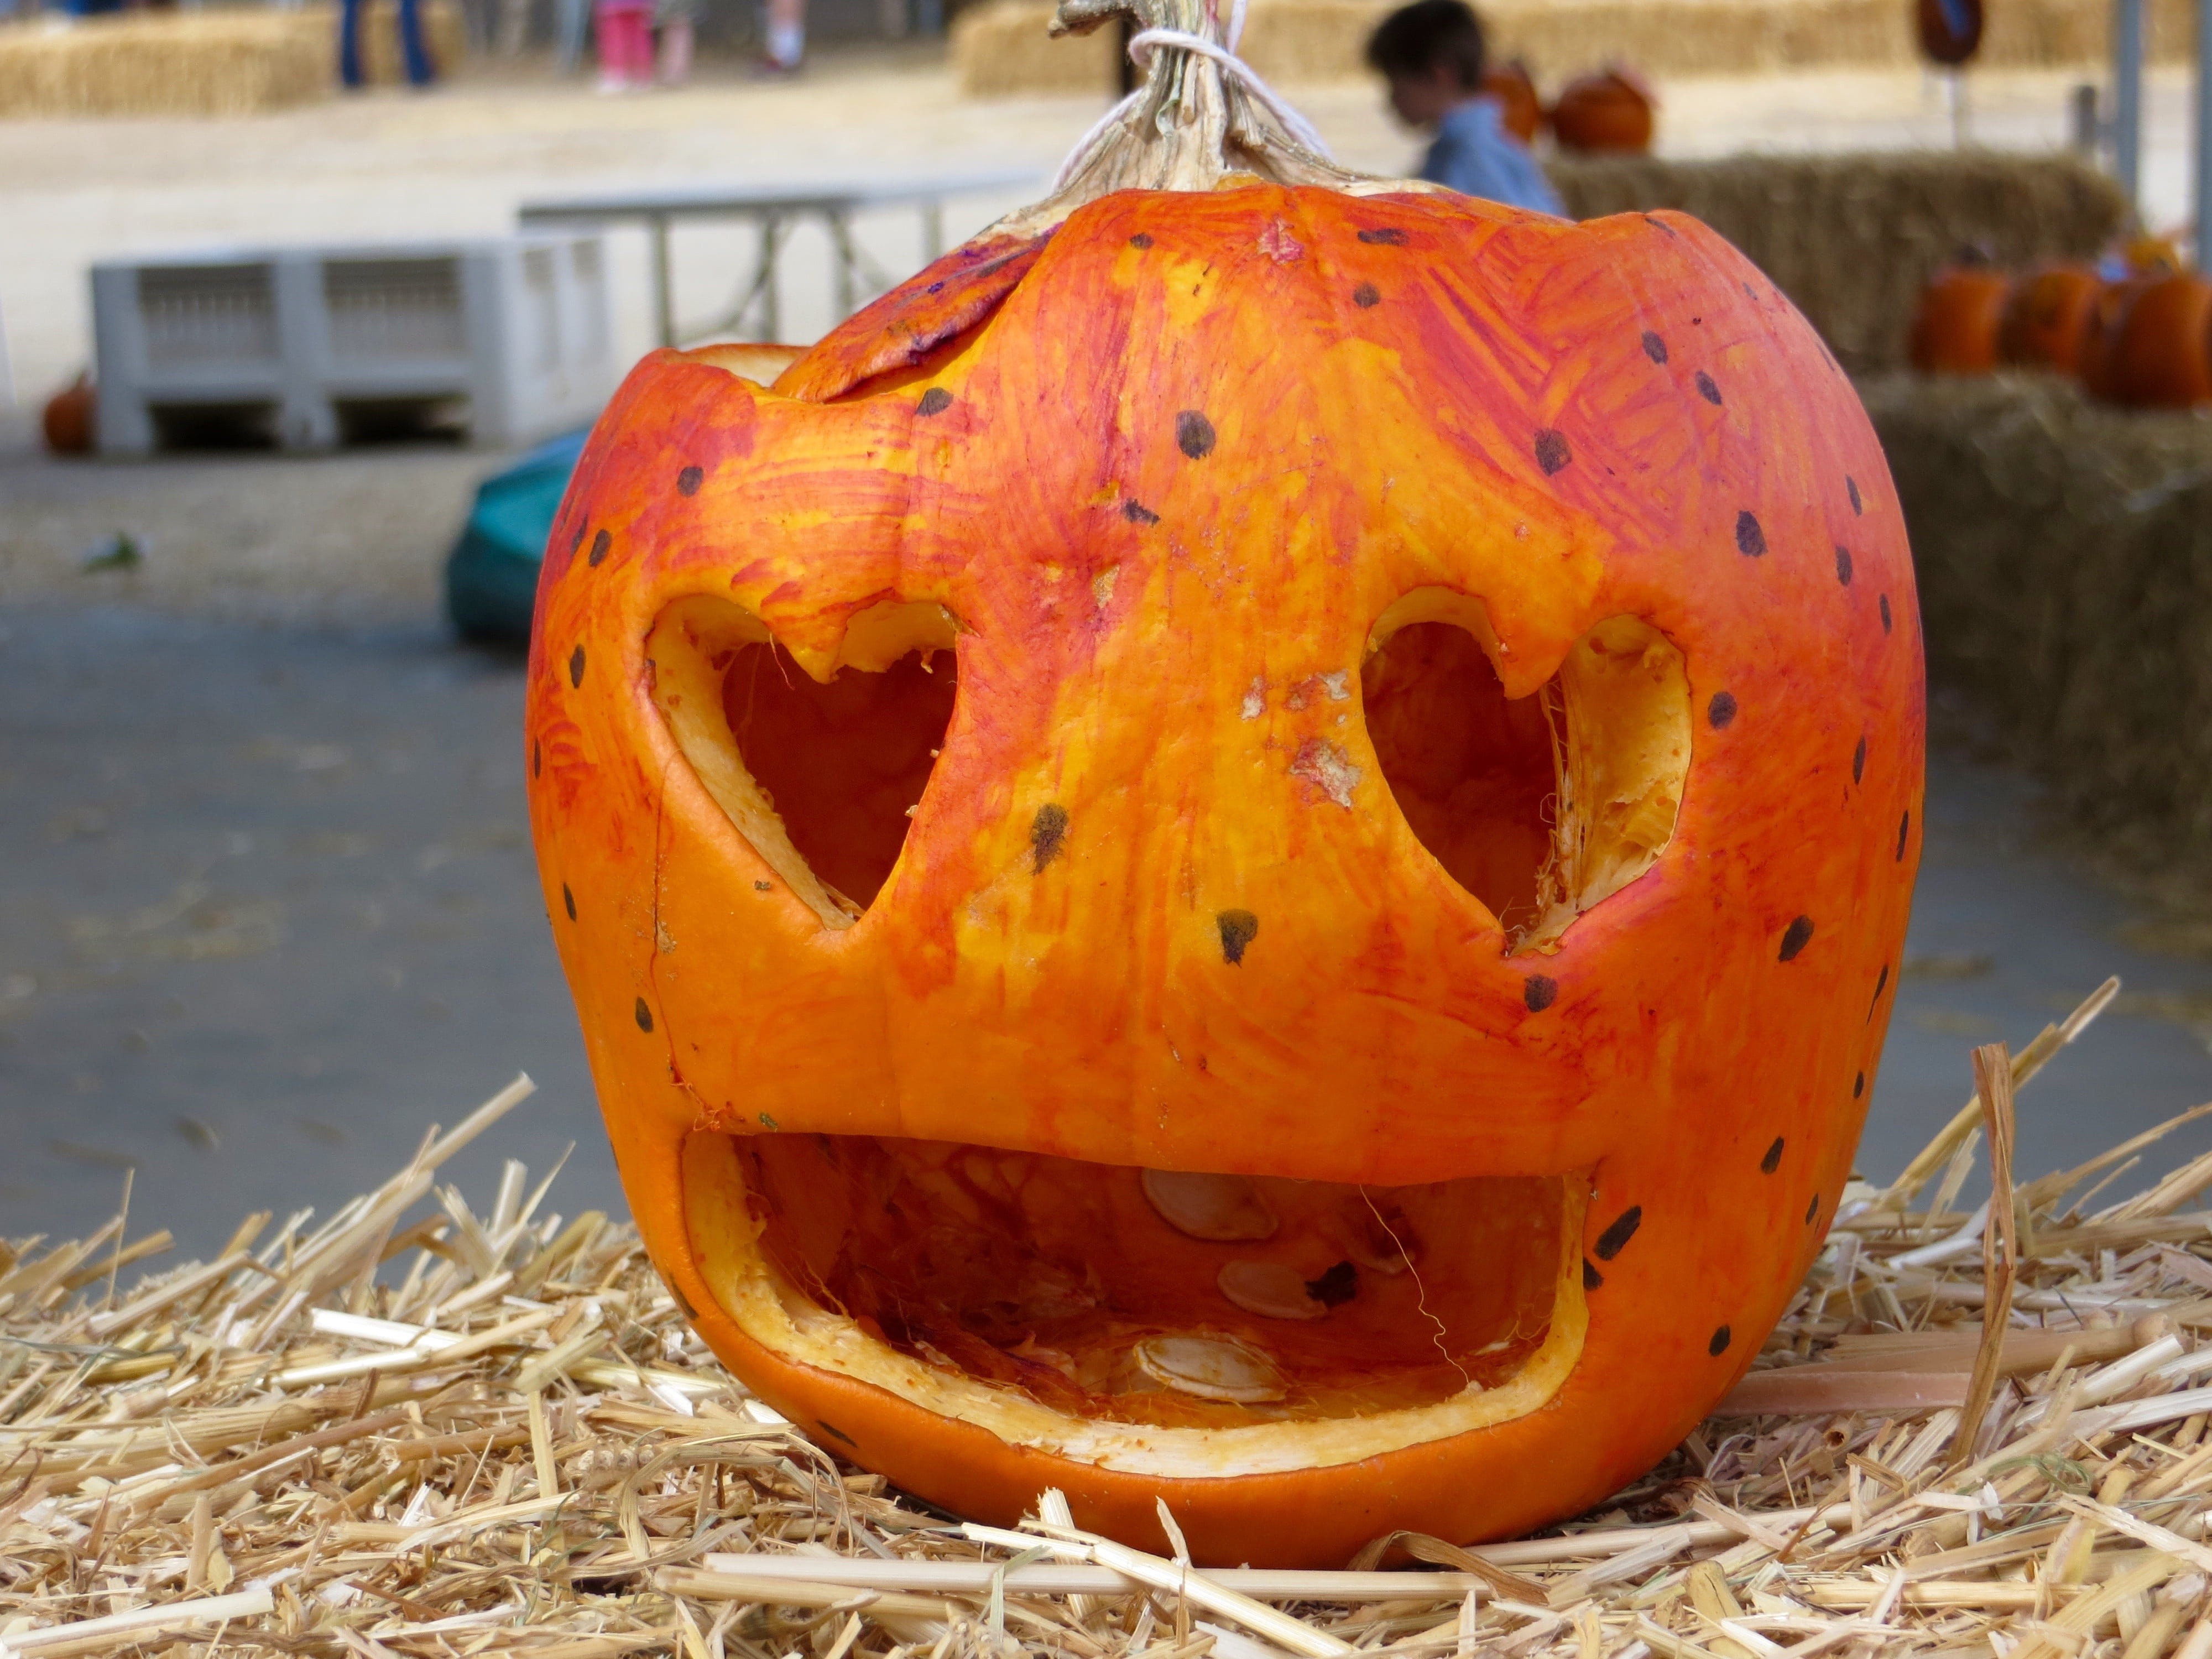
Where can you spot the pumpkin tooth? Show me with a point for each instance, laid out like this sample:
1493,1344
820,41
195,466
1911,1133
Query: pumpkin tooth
1211,1368
1273,1289
1225,1208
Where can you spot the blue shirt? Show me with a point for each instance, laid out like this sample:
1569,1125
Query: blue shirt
1474,155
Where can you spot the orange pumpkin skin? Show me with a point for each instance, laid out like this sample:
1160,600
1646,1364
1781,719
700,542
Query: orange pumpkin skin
1519,108
2149,343
1954,331
1607,111
2046,317
68,419
1393,394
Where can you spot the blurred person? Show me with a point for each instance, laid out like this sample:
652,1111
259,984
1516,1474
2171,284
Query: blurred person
624,29
787,37
678,21
572,22
413,53
1431,52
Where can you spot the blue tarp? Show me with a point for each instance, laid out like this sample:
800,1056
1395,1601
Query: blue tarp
491,575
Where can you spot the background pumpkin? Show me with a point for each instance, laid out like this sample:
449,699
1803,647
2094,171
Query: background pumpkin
2046,316
1519,108
2149,341
1048,813
1955,327
1610,110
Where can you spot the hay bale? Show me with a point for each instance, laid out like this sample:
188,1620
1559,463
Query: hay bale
2064,555
161,64
1000,50
1850,239
201,64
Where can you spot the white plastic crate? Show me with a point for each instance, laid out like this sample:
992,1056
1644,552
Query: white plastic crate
311,342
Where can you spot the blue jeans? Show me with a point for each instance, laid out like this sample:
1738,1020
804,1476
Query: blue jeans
417,55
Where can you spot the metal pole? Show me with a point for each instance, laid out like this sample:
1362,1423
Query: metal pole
2127,98
2204,135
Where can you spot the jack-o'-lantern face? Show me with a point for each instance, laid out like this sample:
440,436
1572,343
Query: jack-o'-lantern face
1264,872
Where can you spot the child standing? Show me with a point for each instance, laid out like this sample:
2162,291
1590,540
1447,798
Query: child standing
625,30
1432,52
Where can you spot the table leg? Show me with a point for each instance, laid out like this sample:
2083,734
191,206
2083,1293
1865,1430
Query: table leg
932,231
840,249
664,294
771,303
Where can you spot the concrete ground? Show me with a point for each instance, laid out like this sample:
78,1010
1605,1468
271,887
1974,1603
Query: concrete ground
267,908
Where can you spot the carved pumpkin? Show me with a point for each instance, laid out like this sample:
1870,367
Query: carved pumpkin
1248,846
1612,109
2149,343
2046,316
1954,331
1519,108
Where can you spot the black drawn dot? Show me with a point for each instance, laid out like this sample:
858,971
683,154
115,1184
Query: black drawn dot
1858,762
1851,489
577,540
682,1302
1884,608
576,668
1238,929
835,1432
1844,566
1772,1161
1653,347
1137,512
644,1017
1661,224
1335,1287
1720,710
935,401
568,901
1142,239
600,543
1552,450
1750,539
537,760
1880,984
1707,390
1539,992
1614,1239
689,480
1811,1209
1858,1085
1904,829
1795,937
1592,1278
1193,434
1047,830
1365,296
1384,236
1718,1345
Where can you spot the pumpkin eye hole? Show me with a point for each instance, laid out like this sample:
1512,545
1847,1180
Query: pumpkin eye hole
821,777
1472,772
1543,806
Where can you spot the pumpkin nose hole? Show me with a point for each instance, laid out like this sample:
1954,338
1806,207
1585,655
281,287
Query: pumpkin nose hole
845,763
1472,771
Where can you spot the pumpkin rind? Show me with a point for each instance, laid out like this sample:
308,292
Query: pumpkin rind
1121,589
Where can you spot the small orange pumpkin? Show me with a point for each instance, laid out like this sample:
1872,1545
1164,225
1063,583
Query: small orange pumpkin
2149,344
1519,108
1954,329
67,421
2046,317
1246,847
1611,110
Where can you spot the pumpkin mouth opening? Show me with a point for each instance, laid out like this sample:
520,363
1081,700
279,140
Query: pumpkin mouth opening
1110,1295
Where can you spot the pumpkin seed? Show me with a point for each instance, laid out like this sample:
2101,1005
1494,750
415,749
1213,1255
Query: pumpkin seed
1211,1367
1221,1207
1270,1289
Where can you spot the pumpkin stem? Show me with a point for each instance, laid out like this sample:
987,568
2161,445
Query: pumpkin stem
1201,118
